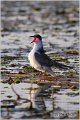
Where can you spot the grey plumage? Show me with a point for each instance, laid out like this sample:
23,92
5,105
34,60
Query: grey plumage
45,60
41,61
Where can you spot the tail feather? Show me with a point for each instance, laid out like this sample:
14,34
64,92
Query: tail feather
61,66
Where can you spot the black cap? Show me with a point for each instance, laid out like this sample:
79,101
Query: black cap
37,35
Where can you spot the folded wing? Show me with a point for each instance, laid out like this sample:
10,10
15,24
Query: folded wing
45,60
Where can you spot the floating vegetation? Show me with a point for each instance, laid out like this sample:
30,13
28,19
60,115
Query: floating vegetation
12,65
72,94
41,83
11,80
74,88
9,96
74,103
61,59
54,89
8,103
70,74
72,52
28,69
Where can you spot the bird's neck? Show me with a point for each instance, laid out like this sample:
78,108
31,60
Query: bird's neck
38,47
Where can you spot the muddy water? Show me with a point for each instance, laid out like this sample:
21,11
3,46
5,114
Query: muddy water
59,28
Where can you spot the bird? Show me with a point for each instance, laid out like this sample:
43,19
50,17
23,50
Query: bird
39,60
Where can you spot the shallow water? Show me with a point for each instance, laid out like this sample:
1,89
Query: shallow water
59,28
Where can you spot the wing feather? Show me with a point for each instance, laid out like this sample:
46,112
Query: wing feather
45,60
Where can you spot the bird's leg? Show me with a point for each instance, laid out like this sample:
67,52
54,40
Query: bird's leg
40,73
45,73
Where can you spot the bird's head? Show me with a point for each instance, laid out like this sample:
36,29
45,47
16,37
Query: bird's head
36,38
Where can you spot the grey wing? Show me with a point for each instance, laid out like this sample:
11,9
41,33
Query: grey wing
43,59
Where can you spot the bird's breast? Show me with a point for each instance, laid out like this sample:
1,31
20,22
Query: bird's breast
33,61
